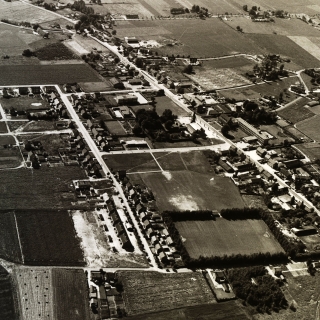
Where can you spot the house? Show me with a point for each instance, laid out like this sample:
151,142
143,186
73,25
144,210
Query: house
220,276
135,82
125,242
119,228
169,241
146,224
261,152
126,99
158,248
43,33
163,257
140,208
116,83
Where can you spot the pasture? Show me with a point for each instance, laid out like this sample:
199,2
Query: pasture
153,291
46,74
311,150
115,128
187,190
48,238
70,294
45,188
296,111
226,237
310,127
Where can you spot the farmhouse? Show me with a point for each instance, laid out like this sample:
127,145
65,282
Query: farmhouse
126,99
116,83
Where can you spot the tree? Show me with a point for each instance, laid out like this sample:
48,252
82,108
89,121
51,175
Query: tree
245,8
225,129
188,69
114,32
27,53
239,29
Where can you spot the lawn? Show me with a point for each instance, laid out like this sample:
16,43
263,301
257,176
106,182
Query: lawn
296,111
187,190
115,128
226,237
153,291
70,294
48,238
46,74
135,162
310,127
230,310
45,188
163,103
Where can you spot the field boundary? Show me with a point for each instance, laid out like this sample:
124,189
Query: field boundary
15,220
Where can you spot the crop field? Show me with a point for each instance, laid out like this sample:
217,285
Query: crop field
296,111
187,190
307,45
9,244
55,51
35,293
152,291
131,162
219,237
311,150
277,132
230,310
46,74
21,11
284,27
240,94
70,294
8,304
48,238
39,189
310,127
274,88
284,46
3,127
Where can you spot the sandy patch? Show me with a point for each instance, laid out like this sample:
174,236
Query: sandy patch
183,202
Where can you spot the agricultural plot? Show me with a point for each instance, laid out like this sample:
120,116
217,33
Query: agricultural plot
35,293
187,190
311,150
70,294
307,45
231,310
55,51
48,238
9,243
296,111
297,134
278,134
152,291
310,127
139,162
45,188
240,94
48,74
163,103
8,303
219,237
3,127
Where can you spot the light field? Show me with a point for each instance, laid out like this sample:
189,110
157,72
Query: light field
219,237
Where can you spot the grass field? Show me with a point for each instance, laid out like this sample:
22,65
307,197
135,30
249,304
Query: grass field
48,238
24,103
47,74
277,132
231,310
45,188
310,127
187,190
115,128
311,150
296,111
39,126
219,237
70,294
163,103
152,291
9,244
297,134
8,305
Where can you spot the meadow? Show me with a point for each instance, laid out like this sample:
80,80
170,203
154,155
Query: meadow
310,127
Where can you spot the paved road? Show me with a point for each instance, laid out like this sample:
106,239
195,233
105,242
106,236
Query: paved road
106,170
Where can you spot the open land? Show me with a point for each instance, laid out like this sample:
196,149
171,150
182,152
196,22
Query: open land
47,74
311,150
152,291
48,238
310,127
297,134
163,103
39,189
10,158
231,310
219,237
25,103
240,94
296,111
253,201
186,190
277,132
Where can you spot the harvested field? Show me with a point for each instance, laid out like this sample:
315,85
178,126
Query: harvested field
39,189
219,237
310,127
46,74
144,291
131,162
307,45
231,310
9,243
8,297
311,150
186,190
296,111
48,238
70,294
35,293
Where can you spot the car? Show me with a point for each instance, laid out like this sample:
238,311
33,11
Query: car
110,239
167,270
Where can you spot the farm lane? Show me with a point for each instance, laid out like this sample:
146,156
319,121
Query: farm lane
105,168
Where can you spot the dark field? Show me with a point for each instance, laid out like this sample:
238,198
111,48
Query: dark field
8,307
48,238
55,51
44,188
70,294
231,310
219,237
46,74
311,150
187,190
